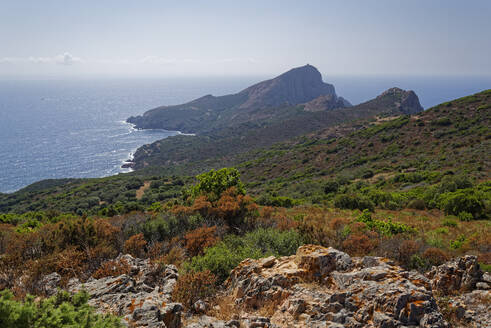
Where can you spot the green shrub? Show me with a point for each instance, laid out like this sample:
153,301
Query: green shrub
387,228
61,310
226,255
466,200
331,187
457,243
449,223
465,216
353,201
214,183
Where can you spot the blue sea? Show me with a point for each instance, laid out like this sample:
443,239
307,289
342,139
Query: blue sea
76,128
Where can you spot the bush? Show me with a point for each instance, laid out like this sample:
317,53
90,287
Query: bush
194,286
387,228
331,187
417,204
61,310
213,183
353,202
466,200
360,244
226,255
435,256
449,223
135,245
112,268
200,239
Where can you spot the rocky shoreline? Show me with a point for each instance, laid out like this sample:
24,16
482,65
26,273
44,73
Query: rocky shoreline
317,287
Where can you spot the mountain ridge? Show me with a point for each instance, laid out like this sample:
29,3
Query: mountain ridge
296,86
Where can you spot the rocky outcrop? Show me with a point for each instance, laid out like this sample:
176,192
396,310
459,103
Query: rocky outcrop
323,287
408,101
325,103
297,86
460,275
142,297
316,287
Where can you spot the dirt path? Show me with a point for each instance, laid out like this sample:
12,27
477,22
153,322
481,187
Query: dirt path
141,191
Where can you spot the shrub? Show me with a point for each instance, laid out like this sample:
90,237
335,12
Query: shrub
112,268
465,200
135,245
457,243
352,202
435,256
331,187
360,244
226,255
198,240
406,250
465,216
61,310
449,223
214,183
387,228
194,286
417,204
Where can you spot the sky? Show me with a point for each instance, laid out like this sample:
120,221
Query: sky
157,38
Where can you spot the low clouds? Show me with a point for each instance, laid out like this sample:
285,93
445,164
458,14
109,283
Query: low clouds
65,59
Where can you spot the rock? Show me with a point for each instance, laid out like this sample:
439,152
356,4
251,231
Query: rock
482,285
200,306
142,297
50,283
323,287
472,309
325,103
461,274
486,277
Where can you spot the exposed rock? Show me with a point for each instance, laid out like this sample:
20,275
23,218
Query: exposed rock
50,283
142,298
472,309
323,287
326,102
461,274
408,100
200,306
298,85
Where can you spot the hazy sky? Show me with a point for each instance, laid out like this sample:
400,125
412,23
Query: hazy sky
64,38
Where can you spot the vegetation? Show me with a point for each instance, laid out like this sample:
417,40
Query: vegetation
61,310
415,189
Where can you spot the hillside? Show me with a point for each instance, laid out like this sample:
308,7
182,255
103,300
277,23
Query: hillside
388,211
195,154
297,86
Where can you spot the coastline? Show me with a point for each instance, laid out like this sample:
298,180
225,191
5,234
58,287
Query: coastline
127,165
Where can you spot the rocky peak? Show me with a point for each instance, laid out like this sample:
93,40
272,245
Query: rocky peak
298,85
407,102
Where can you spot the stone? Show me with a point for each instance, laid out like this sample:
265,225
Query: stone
461,274
482,285
323,287
142,297
50,283
200,306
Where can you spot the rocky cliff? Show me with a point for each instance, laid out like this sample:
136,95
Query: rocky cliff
316,287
